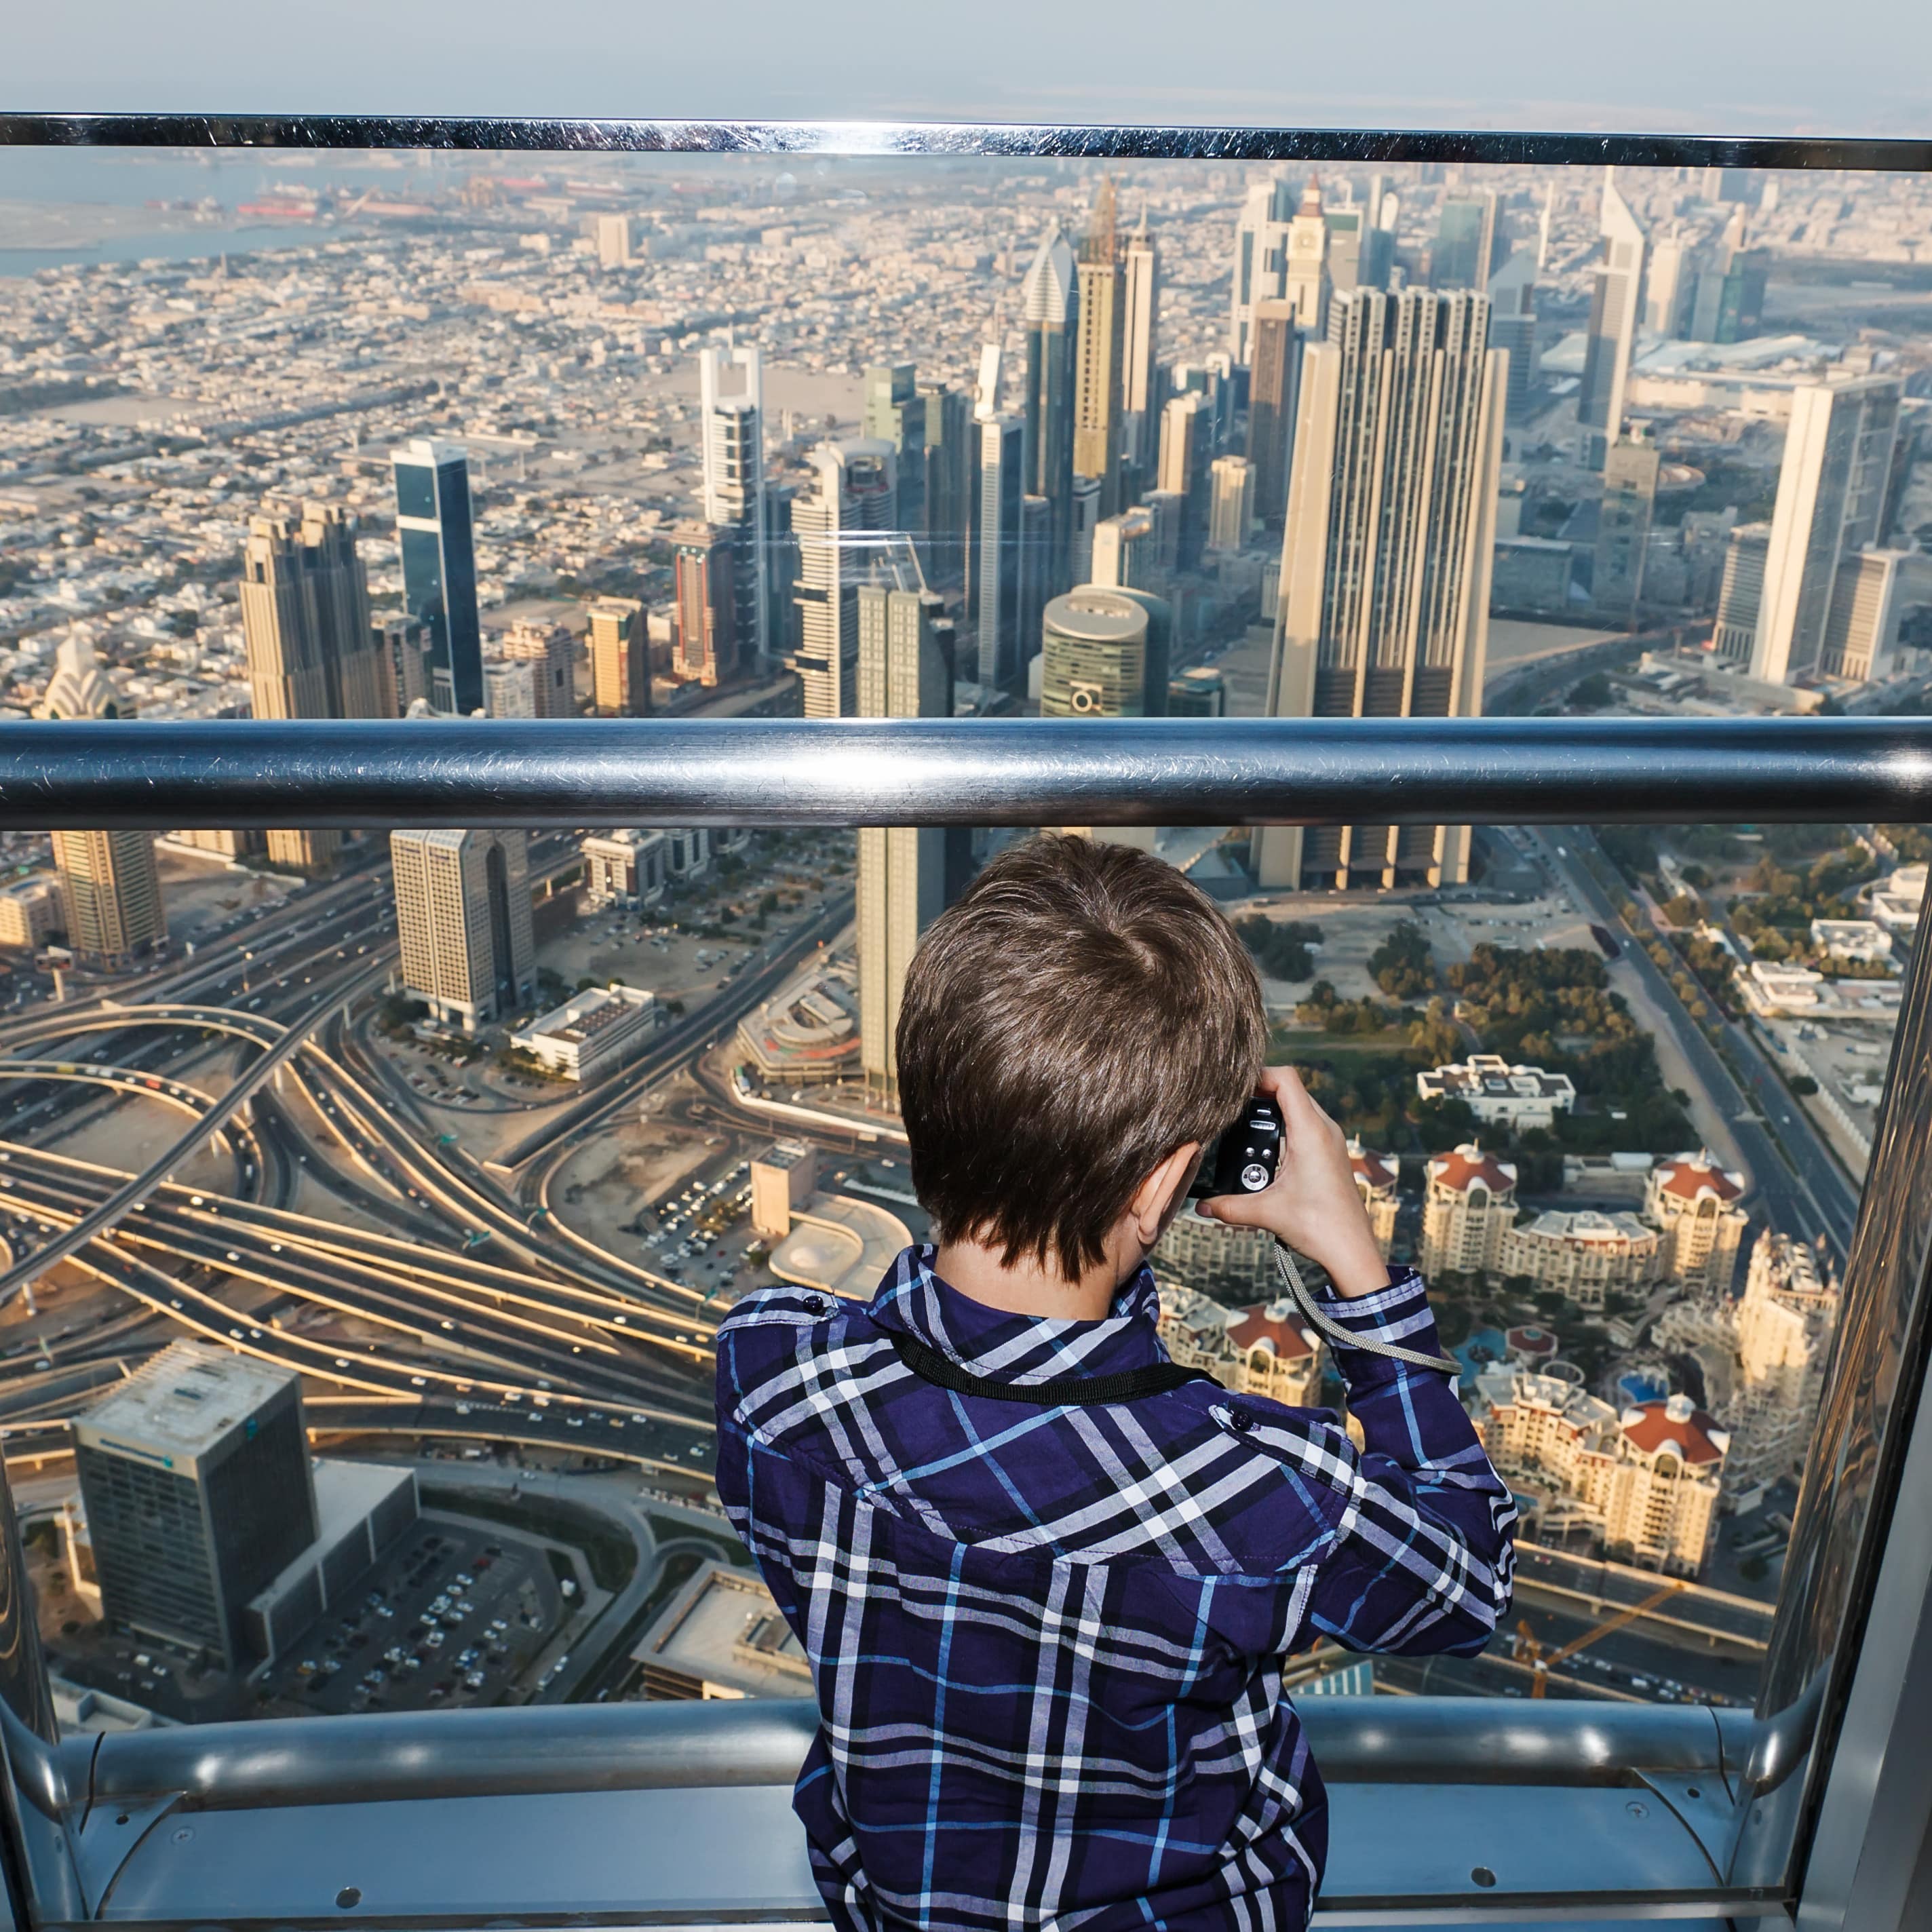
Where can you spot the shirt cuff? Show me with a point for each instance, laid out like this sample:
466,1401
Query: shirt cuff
1398,1314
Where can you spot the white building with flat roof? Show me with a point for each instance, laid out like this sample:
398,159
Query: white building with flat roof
1863,940
588,1035
1496,1092
1897,902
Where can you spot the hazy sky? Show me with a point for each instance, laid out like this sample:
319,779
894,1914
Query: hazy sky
1748,67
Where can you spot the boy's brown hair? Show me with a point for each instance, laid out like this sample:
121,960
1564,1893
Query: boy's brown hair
1080,1013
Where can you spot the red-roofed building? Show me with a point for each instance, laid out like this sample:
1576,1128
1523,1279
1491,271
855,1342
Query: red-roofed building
1469,1206
1644,1483
1693,1204
1376,1176
1262,1350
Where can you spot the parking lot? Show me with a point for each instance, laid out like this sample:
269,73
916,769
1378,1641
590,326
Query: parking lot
698,1235
453,1618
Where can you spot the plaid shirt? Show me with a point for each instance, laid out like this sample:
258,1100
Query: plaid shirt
1047,1642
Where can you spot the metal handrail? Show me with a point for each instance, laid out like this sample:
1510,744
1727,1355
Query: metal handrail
532,1748
975,772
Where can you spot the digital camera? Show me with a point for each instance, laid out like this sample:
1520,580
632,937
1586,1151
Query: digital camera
1243,1160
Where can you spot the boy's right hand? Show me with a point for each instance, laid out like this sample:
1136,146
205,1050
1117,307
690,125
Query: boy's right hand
1313,1204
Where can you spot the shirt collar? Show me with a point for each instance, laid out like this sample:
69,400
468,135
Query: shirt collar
1020,1349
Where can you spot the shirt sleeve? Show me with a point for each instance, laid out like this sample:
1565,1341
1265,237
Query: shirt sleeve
1419,1556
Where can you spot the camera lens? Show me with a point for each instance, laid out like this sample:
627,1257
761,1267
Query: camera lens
1254,1176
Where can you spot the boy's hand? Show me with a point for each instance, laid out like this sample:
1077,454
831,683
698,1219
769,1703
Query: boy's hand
1313,1204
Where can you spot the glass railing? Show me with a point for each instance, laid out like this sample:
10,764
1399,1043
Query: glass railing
493,608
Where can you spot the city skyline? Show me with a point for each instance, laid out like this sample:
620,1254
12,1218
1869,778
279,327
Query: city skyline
697,438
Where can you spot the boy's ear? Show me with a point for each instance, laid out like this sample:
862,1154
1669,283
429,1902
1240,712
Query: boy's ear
1157,1197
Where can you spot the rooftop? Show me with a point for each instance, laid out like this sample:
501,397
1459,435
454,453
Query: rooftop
188,1398
723,1631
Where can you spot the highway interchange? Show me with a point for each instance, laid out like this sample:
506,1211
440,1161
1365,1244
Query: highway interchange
487,1314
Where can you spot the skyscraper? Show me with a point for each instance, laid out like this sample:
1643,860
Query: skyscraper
1050,300
433,528
894,414
1140,325
1185,450
550,651
1260,259
1466,238
1230,512
902,672
1831,502
1616,299
1273,381
195,1474
948,483
463,918
1384,605
842,532
704,638
404,642
1740,594
998,521
1307,284
312,651
1623,525
731,408
1097,391
1513,327
111,895
1125,549
1095,664
620,662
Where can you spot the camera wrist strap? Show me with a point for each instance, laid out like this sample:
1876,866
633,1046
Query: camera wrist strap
1333,1330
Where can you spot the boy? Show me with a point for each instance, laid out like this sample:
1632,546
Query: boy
1046,1593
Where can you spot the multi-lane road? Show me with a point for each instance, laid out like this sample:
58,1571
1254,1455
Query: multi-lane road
490,1317
1802,1190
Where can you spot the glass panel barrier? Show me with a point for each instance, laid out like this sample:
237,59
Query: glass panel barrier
657,580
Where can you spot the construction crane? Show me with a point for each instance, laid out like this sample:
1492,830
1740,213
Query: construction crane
1540,1662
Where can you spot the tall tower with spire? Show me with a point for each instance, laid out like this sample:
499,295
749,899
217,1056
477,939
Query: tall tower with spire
1307,284
1097,365
1050,298
1140,301
1615,302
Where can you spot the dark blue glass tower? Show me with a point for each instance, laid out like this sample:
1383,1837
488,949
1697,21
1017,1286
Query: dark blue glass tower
432,527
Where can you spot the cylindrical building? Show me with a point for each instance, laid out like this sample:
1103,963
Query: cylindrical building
1095,646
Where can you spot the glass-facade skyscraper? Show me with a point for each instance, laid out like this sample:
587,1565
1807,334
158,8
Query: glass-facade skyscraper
433,529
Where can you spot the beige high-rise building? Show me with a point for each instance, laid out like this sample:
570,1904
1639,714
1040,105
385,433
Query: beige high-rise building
1740,593
620,677
1231,503
235,844
1375,1175
1831,503
110,895
31,911
1645,1483
1785,1324
902,674
1693,1202
625,868
463,918
1583,1256
1384,605
1305,286
1097,354
550,651
312,652
856,494
1467,1206
1140,396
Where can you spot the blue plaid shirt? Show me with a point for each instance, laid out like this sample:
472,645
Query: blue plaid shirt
1047,1642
